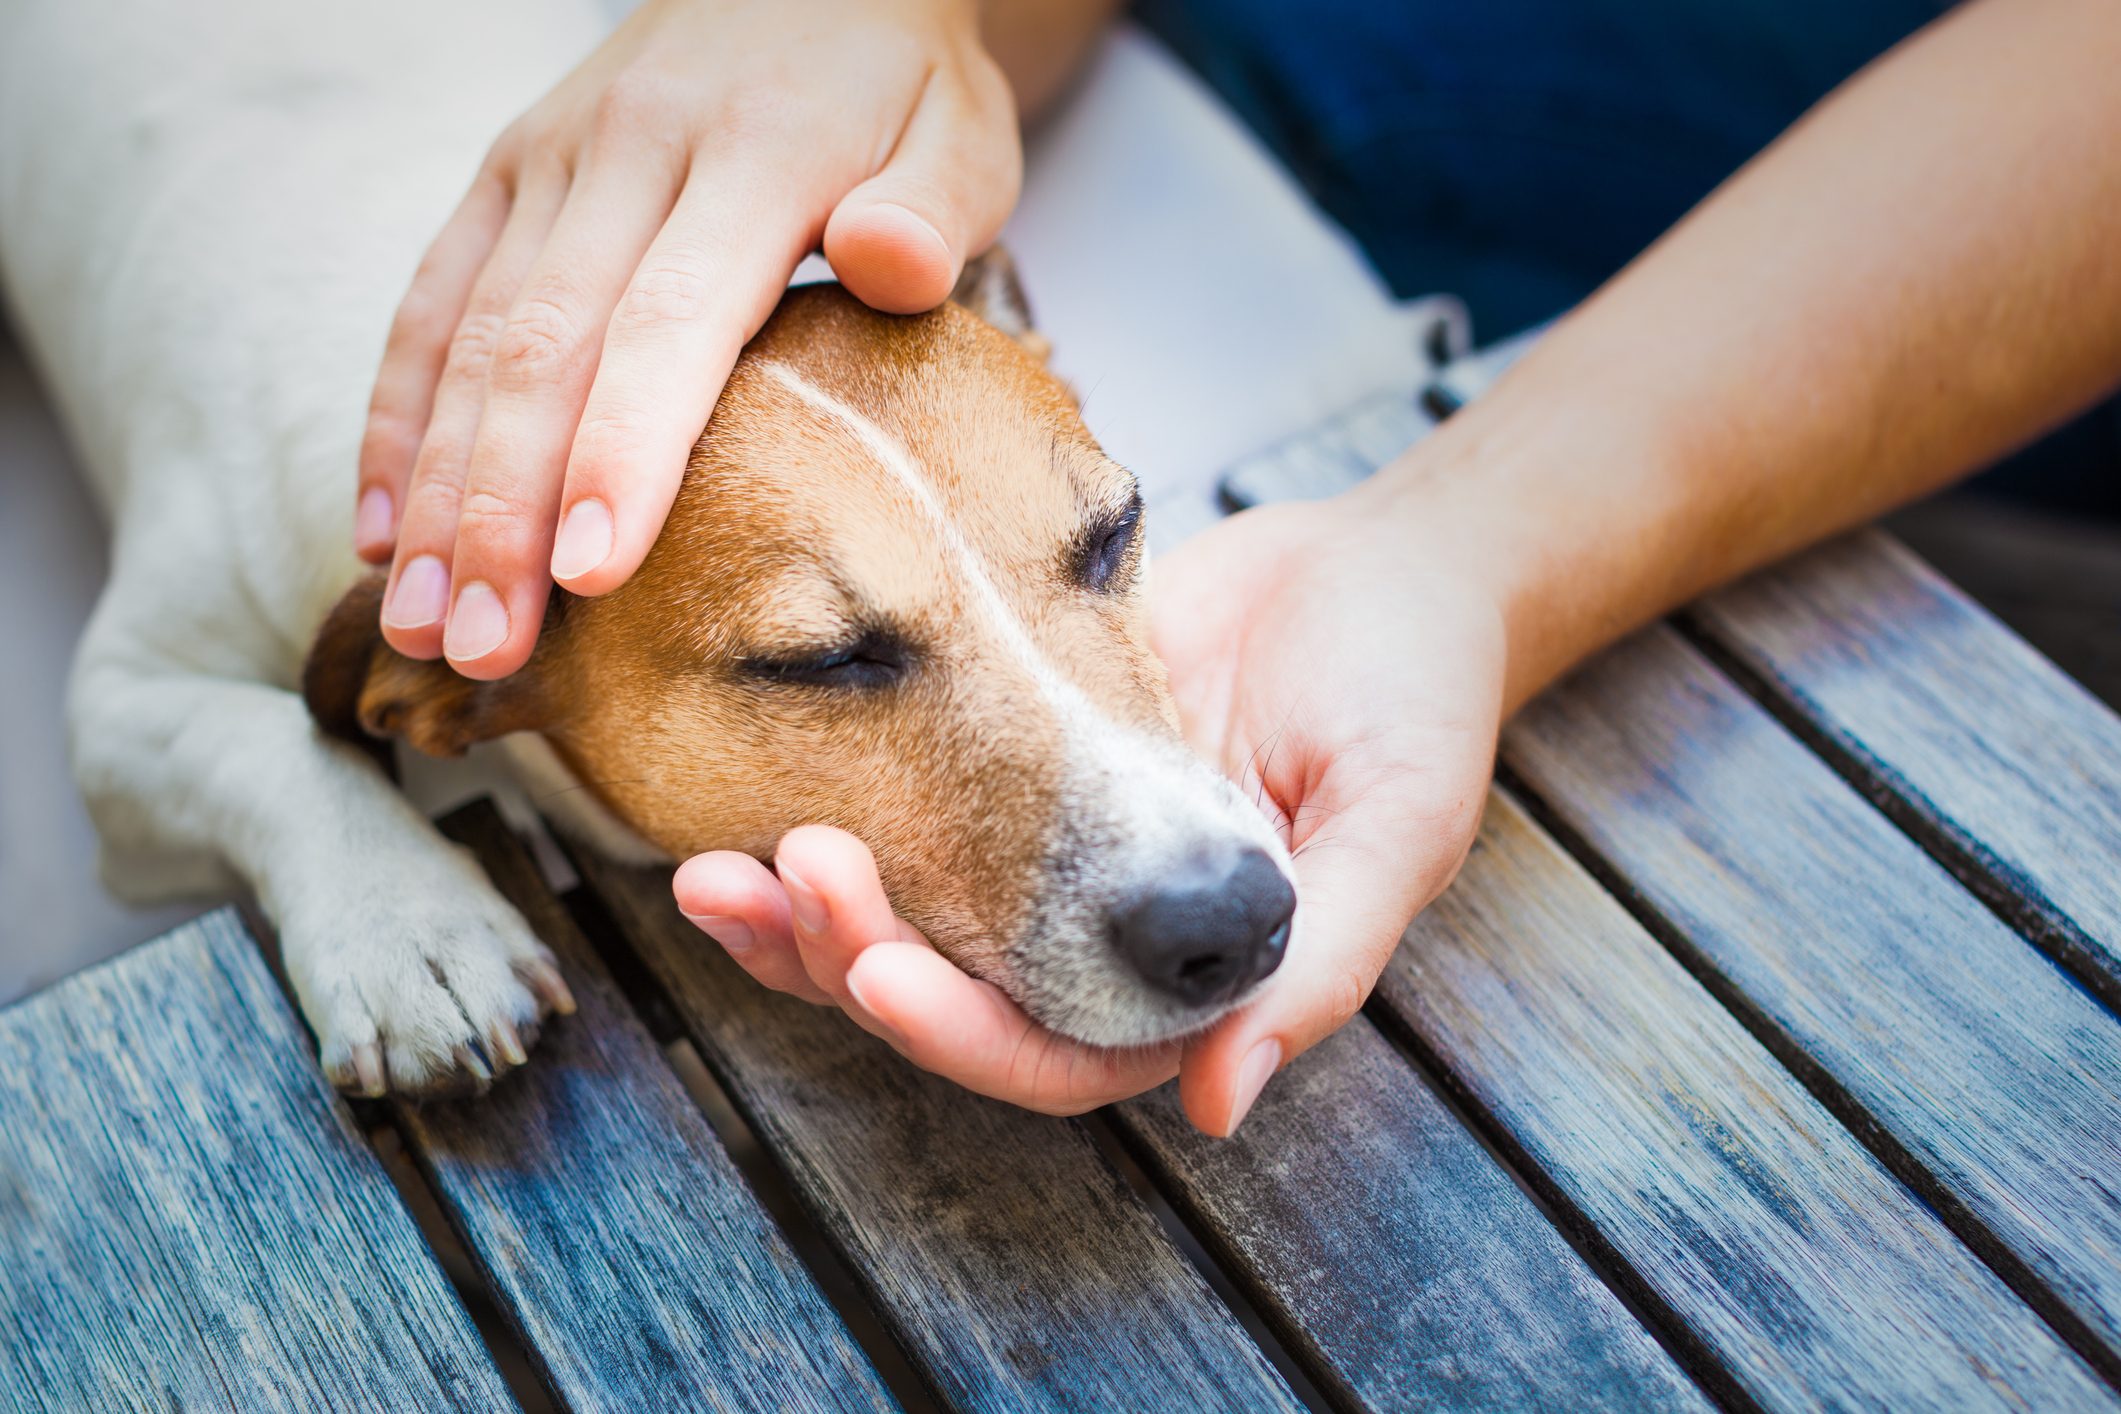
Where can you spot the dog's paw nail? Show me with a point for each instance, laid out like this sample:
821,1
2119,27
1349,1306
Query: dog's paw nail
474,1068
505,1044
368,1070
550,987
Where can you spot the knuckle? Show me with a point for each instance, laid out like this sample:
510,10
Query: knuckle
388,434
754,107
430,511
1349,992
636,101
485,516
421,316
672,291
437,470
540,338
607,434
508,149
471,347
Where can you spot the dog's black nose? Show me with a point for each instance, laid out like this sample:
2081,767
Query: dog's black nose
1209,930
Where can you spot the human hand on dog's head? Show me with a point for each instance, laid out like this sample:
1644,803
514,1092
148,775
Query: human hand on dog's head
573,323
1349,683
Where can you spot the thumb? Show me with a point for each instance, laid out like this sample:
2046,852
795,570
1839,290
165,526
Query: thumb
900,239
1356,892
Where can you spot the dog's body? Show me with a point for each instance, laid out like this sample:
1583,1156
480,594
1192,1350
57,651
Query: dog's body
206,216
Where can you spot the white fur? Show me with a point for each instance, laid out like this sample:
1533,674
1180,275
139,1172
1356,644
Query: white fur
207,213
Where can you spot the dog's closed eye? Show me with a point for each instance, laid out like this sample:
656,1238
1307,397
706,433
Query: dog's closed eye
873,659
1106,542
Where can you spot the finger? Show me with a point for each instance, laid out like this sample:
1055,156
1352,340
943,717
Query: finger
1356,891
704,287
836,902
969,1032
735,900
536,386
417,598
413,355
900,239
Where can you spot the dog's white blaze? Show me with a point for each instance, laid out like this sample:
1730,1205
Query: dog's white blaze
891,454
1156,795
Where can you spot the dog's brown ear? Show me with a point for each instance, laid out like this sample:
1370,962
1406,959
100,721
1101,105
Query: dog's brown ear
360,688
990,289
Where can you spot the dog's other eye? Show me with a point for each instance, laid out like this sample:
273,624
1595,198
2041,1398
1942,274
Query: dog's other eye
1106,546
872,661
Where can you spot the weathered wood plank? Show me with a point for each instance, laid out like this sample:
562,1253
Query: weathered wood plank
2005,770
188,1218
1010,1260
1393,1256
1783,1252
1990,755
1859,957
608,1221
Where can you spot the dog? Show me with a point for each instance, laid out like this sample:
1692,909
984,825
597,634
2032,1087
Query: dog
901,590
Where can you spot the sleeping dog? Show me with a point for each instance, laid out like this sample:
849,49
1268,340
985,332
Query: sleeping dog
901,590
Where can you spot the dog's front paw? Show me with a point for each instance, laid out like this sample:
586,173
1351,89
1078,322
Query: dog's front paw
432,989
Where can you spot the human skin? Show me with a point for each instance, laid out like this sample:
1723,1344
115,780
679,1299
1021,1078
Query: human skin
1921,275
571,327
1916,278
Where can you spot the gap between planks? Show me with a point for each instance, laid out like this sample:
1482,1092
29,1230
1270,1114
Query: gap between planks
2018,902
1974,1234
761,1170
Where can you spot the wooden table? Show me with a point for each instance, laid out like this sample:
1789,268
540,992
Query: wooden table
1765,1056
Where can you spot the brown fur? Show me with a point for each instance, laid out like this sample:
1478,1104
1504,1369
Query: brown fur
788,534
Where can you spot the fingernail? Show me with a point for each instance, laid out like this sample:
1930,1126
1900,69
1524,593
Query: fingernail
803,901
731,933
371,522
584,541
919,221
478,624
1252,1077
421,595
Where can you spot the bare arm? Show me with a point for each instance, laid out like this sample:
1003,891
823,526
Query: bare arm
1042,44
1921,275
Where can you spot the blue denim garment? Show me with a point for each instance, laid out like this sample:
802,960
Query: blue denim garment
1519,152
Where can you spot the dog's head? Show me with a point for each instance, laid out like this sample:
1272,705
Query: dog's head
901,592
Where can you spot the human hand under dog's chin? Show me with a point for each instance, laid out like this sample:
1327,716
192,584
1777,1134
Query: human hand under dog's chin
1349,683
818,926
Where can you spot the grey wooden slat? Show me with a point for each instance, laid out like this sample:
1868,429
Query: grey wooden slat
1329,456
1997,1075
1988,753
188,1218
1732,1199
1393,1256
1011,1261
609,1223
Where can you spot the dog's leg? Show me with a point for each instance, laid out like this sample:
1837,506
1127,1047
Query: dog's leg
411,969
207,212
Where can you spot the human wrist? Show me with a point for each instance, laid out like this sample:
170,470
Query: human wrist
1571,519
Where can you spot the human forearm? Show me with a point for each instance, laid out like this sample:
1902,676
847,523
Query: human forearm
1918,277
1042,44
